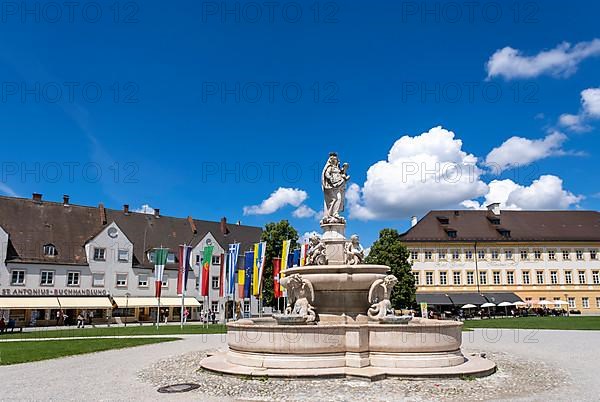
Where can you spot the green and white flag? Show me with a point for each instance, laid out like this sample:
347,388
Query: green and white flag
160,260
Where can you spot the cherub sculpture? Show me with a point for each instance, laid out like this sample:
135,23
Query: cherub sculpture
315,254
354,252
379,296
300,296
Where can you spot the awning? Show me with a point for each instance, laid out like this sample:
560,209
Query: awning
28,303
439,299
85,302
123,302
502,297
467,298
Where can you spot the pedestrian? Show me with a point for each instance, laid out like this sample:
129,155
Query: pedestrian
80,321
213,317
65,319
90,317
2,325
186,313
166,314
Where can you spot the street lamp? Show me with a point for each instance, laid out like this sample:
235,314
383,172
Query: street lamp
126,307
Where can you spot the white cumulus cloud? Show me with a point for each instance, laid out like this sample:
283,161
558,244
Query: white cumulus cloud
590,110
5,189
306,236
519,151
304,211
546,192
278,199
145,209
561,61
428,171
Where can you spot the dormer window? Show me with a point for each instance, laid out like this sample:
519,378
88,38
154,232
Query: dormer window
494,220
443,220
50,250
504,233
451,233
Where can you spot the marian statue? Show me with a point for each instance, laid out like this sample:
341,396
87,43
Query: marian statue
333,181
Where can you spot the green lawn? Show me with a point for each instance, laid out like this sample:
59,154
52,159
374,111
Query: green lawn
31,351
584,323
118,331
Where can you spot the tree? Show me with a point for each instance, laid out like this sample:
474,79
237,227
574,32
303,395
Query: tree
389,250
274,234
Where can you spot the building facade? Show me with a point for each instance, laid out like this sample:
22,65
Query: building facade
59,254
537,255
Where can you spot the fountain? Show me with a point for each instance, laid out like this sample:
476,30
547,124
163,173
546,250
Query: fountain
339,320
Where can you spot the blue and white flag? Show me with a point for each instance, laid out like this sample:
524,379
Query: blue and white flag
234,251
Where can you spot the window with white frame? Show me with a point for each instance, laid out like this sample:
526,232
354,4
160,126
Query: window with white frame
442,254
416,276
551,255
428,255
496,277
165,281
553,277
481,254
73,278
121,280
566,255
495,255
443,278
579,254
456,277
540,277
571,301
17,277
99,254
510,277
568,277
525,277
123,255
455,254
596,277
142,281
582,277
429,278
524,254
214,306
537,254
215,282
414,255
470,278
508,254
246,306
482,277
49,250
585,302
593,254
47,278
469,255
216,260
98,279
597,302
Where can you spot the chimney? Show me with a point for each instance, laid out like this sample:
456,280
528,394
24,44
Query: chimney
224,228
157,212
192,225
37,197
238,223
494,208
102,214
66,200
413,221
126,209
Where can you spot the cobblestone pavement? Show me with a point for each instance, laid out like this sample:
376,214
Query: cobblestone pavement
533,365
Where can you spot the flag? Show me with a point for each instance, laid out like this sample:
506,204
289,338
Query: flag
296,262
222,276
160,260
303,253
276,271
258,267
285,253
234,251
185,252
249,263
206,261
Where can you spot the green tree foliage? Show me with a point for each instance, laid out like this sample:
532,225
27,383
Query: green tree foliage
274,234
389,250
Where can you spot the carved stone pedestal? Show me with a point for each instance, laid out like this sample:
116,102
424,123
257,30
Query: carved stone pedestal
334,237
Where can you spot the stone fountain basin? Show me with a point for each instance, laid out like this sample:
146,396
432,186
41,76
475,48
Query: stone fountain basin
341,289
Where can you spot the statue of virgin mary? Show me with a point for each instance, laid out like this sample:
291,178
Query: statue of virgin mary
333,182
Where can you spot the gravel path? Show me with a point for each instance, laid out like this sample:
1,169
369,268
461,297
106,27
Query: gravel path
533,365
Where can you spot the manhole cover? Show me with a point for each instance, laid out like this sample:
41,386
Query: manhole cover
172,389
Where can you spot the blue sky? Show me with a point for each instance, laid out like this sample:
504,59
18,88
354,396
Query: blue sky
202,111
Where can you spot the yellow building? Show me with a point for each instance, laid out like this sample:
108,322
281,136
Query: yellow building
537,255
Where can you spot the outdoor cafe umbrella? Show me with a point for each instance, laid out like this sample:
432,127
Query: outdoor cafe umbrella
488,305
544,303
468,306
560,303
519,304
505,305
